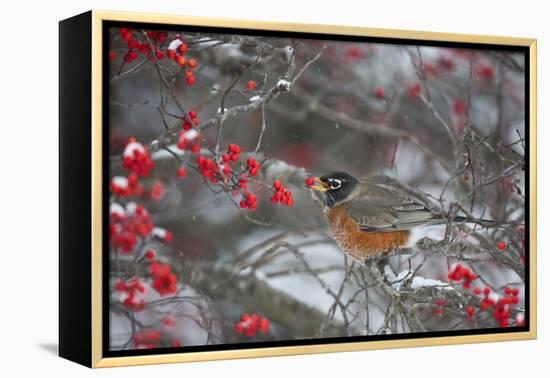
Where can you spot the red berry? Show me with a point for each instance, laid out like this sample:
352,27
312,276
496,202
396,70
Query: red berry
181,172
157,190
191,80
460,106
180,59
379,92
187,126
130,56
150,254
413,90
470,311
437,311
161,37
182,48
485,71
486,291
193,114
112,55
251,85
501,246
171,54
277,184
133,44
144,48
192,63
310,181
477,291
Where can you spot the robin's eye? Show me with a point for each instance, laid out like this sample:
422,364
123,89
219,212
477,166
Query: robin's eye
335,184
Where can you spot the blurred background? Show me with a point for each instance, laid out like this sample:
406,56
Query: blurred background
445,121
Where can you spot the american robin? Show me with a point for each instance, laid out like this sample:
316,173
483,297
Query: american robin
371,217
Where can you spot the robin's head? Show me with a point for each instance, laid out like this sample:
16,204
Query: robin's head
336,187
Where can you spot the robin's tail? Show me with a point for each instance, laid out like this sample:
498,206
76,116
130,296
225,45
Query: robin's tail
462,219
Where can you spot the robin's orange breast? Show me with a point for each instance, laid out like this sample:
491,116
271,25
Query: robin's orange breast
361,244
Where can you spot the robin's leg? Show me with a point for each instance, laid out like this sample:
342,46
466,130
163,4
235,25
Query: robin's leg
383,260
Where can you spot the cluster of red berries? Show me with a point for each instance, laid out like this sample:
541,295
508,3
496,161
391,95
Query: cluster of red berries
176,51
281,194
232,154
132,287
253,166
243,182
126,186
250,324
501,306
189,140
459,273
208,168
136,158
157,38
249,201
164,281
128,224
439,303
193,116
168,321
146,339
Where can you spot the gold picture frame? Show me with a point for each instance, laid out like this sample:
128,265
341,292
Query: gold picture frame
95,20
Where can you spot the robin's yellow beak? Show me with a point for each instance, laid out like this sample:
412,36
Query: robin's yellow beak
321,186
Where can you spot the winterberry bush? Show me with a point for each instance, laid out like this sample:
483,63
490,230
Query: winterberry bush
214,236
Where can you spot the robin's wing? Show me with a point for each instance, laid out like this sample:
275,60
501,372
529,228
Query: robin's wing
383,207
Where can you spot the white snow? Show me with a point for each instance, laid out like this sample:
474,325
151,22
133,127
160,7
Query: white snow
117,209
174,44
494,297
284,83
288,52
131,147
158,232
419,282
219,111
191,134
131,207
120,181
254,98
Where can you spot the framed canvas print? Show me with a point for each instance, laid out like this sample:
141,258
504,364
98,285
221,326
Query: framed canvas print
235,189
